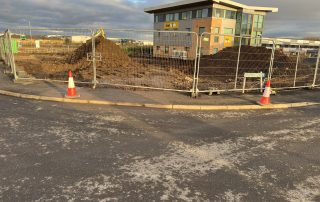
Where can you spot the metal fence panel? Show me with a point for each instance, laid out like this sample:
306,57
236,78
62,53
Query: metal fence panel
5,50
293,68
147,59
317,71
48,54
165,60
225,59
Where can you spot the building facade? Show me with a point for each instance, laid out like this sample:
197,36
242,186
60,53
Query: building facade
218,17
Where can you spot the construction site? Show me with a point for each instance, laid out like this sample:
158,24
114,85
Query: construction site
95,57
125,63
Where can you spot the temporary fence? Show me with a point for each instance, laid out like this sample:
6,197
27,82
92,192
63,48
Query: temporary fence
148,59
7,52
151,59
225,60
48,54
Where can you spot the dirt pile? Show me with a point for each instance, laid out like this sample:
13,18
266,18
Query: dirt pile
111,54
252,59
113,59
115,66
222,66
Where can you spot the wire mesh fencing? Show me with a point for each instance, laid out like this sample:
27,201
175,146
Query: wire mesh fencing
164,60
147,59
48,54
293,68
224,60
6,52
316,58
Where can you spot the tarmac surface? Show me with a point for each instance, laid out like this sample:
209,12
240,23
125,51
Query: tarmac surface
65,152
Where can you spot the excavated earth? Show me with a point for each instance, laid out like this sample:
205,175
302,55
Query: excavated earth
253,60
117,66
114,66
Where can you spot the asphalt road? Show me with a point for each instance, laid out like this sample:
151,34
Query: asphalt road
63,152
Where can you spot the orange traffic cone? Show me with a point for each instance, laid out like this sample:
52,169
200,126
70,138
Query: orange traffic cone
265,100
72,92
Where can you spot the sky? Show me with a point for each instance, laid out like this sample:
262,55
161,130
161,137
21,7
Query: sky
296,18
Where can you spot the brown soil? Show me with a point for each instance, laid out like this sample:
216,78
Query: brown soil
252,59
115,67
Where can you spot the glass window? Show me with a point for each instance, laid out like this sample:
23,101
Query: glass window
184,16
169,17
258,21
205,13
256,18
216,39
250,19
215,50
217,30
176,16
201,30
244,18
158,18
218,13
199,14
161,18
261,18
228,31
230,14
189,15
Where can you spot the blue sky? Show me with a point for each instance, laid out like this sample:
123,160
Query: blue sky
296,18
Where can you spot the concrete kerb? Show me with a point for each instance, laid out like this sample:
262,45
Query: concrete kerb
160,106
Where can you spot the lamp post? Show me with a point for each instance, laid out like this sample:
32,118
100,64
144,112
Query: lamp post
30,30
29,24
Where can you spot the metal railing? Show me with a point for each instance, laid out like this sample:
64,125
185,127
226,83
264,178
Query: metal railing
224,59
148,59
162,60
7,53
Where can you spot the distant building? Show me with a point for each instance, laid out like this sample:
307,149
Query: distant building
54,36
223,17
291,46
79,39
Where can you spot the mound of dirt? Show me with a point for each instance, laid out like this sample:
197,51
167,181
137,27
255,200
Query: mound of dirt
222,66
254,59
115,66
111,54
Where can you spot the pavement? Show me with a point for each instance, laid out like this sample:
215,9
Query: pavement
53,151
112,94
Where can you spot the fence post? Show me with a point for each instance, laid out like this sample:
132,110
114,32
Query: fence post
6,45
194,92
297,63
272,60
94,62
316,70
11,55
238,63
199,46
